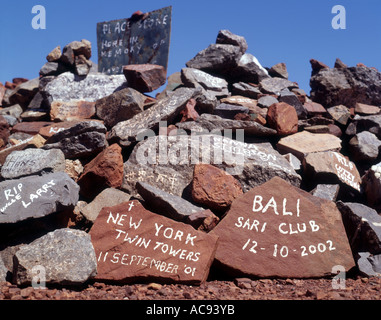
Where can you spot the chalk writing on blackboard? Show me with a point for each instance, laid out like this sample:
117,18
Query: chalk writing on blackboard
134,41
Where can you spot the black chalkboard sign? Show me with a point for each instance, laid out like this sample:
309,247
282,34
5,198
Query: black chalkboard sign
137,40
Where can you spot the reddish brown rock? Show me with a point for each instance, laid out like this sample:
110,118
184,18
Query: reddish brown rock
204,220
365,109
72,110
52,129
145,77
214,188
283,118
278,230
189,113
2,93
105,170
317,65
4,130
32,127
133,244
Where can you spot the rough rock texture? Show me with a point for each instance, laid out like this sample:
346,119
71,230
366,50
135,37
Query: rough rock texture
68,86
172,170
164,110
283,118
105,170
214,188
119,106
32,161
145,77
346,86
65,256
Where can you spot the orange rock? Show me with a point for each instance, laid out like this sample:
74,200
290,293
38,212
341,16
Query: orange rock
283,118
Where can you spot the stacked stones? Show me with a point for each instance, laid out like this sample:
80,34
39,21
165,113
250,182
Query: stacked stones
232,167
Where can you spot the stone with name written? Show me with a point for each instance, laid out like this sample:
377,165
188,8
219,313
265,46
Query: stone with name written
167,162
68,86
166,109
81,140
141,39
71,110
278,230
36,196
32,161
331,167
134,244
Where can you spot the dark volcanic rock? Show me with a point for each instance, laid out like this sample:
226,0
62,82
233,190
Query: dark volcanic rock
35,197
346,86
166,204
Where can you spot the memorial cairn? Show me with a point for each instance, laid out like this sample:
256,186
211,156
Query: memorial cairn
231,168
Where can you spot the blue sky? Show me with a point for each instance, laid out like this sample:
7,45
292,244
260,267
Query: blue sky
292,31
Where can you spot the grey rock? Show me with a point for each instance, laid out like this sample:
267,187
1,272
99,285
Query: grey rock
11,120
168,162
365,123
276,85
166,204
167,109
227,37
215,124
24,93
228,111
36,196
249,70
364,146
346,86
217,58
52,69
68,86
266,101
326,191
81,140
369,265
340,113
363,227
107,198
194,78
14,111
32,161
246,90
120,106
67,257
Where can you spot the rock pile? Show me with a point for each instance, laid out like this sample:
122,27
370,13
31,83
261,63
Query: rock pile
232,167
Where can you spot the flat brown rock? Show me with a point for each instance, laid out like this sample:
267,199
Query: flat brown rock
71,110
302,143
145,77
277,230
134,244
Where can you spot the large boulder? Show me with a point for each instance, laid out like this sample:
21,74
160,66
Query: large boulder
346,86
